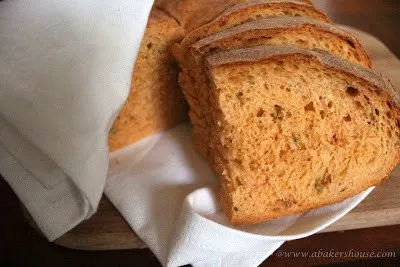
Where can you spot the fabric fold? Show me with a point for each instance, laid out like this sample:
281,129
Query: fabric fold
65,72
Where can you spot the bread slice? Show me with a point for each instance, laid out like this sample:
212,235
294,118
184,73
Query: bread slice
246,12
295,129
155,102
192,14
295,31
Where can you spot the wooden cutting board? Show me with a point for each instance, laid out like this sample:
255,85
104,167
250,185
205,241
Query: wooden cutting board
107,230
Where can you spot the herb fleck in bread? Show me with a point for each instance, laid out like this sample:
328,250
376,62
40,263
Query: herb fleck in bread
294,130
295,31
155,102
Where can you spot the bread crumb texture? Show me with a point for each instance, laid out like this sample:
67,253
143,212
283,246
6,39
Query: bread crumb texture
291,133
297,32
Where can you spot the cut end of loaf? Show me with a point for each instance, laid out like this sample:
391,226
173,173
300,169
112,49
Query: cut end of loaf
322,133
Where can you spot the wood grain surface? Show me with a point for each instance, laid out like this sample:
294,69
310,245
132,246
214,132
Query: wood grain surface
21,245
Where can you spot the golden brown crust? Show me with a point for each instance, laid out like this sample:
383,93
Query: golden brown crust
155,102
192,14
245,12
277,25
246,4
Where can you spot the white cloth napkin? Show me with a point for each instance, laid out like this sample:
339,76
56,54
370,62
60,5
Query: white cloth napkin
65,71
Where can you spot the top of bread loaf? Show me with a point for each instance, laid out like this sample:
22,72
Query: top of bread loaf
268,27
276,23
192,14
242,13
250,3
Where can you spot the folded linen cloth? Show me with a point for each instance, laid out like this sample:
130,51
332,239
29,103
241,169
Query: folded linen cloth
65,71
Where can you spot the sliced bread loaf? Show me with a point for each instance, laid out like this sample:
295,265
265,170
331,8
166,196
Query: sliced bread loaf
155,102
295,31
295,129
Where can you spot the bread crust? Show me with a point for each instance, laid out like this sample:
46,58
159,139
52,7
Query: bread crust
192,14
155,102
240,11
278,25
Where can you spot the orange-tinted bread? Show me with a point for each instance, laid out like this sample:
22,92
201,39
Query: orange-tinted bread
295,31
155,102
294,130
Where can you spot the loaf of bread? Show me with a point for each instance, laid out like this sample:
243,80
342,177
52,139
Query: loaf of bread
295,129
155,102
283,104
286,109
